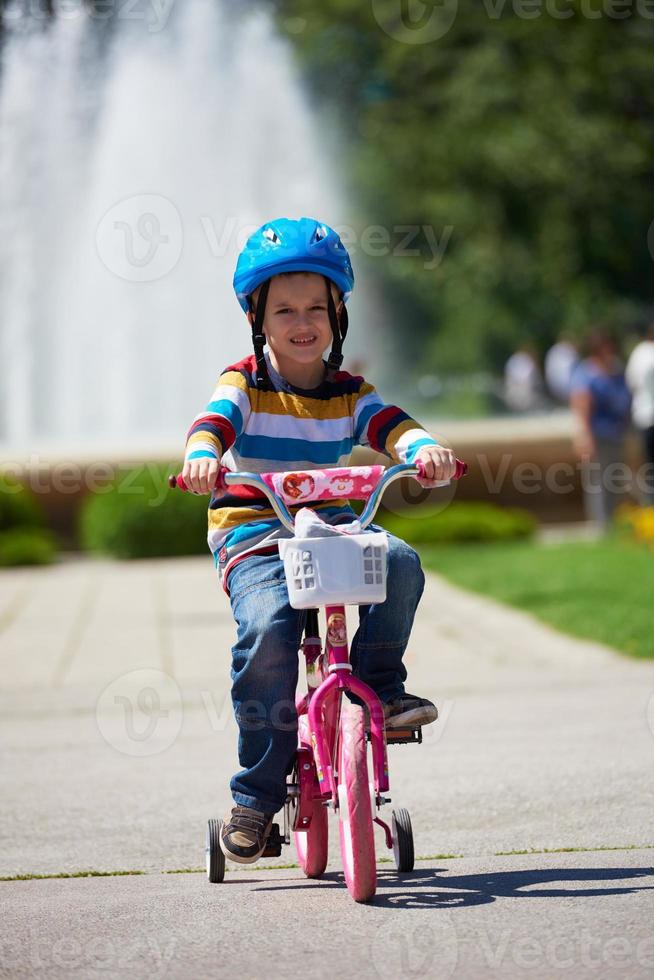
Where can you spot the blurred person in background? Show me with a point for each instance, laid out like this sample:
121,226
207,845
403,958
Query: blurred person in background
640,378
524,388
561,361
601,403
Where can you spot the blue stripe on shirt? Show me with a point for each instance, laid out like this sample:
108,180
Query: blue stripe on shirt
289,450
413,448
250,530
201,454
366,414
253,529
230,410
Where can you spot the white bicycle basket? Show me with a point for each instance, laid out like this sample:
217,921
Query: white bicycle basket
347,569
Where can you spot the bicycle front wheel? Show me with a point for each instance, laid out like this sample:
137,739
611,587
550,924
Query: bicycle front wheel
355,808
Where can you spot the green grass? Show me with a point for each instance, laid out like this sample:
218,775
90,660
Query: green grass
575,850
277,867
596,590
71,874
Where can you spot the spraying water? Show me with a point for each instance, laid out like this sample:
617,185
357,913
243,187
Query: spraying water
135,158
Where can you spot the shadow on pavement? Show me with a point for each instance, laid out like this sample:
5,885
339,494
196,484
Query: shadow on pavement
432,889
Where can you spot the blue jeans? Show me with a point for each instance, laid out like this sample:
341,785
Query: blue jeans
265,663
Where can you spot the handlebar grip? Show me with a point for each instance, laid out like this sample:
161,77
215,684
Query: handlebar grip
461,469
179,482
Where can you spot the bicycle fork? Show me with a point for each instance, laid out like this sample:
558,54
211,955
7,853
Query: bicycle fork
340,679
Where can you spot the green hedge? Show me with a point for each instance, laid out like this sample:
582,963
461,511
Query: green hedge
27,546
24,539
141,517
18,505
459,522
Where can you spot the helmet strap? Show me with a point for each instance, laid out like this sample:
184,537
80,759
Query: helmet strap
339,331
259,338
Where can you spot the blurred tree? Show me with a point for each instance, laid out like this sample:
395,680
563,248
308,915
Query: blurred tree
530,138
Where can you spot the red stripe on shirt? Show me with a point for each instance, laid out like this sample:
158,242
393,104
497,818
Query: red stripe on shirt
378,422
218,425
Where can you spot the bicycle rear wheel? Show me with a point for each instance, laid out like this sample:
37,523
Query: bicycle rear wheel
312,845
355,808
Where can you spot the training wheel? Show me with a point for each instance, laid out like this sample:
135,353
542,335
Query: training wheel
402,840
214,856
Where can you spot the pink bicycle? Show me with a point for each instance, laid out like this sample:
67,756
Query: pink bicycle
331,767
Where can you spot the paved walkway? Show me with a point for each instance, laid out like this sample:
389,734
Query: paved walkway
118,742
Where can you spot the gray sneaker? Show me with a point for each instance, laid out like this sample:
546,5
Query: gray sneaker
244,834
407,710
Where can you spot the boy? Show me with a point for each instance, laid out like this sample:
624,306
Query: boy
287,409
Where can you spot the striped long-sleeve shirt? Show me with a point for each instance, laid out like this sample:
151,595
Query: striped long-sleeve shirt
287,429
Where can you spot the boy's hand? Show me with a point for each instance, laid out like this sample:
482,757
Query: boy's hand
201,475
439,463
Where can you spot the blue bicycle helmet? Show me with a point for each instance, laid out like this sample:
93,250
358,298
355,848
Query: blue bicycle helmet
287,245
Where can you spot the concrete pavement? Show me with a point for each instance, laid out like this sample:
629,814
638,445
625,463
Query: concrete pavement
582,915
118,743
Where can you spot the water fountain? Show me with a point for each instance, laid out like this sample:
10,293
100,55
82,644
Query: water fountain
135,156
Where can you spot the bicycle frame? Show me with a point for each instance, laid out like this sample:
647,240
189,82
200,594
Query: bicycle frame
324,700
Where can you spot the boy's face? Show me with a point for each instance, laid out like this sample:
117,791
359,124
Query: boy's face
296,323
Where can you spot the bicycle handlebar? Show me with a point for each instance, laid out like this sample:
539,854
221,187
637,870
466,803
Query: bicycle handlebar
304,486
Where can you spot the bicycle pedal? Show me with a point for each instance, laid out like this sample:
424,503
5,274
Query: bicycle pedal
273,847
403,736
